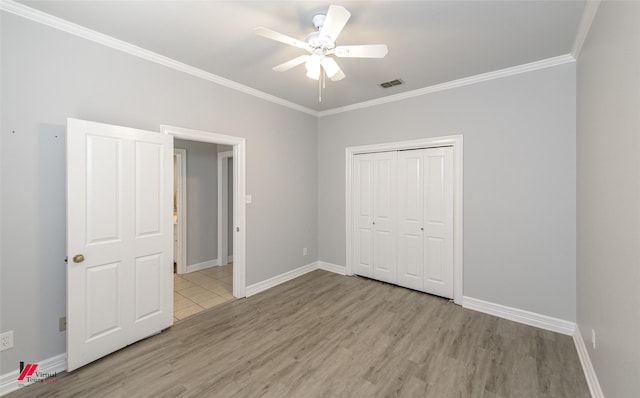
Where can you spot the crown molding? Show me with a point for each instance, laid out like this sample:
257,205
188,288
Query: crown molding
545,63
588,16
120,45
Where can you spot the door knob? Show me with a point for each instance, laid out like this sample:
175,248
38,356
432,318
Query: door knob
78,258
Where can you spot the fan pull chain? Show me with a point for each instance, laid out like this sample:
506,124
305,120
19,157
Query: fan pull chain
320,84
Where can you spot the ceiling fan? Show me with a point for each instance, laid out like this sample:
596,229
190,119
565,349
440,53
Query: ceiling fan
322,44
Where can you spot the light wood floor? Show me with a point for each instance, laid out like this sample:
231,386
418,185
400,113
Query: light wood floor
325,335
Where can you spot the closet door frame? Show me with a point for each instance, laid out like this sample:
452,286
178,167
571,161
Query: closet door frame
455,141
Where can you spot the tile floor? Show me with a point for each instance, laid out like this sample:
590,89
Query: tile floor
199,290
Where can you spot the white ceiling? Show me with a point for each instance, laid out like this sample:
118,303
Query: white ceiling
430,42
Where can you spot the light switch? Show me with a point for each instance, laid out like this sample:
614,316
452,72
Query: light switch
249,199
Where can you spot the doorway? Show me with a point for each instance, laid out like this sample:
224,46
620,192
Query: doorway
238,194
203,277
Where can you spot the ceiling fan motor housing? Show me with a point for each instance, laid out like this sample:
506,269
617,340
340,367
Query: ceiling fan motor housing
316,41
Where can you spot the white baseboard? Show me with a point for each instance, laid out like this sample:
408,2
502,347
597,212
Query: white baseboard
521,316
9,381
203,265
587,366
336,269
282,278
229,259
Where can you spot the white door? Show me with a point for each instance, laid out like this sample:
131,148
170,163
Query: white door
119,238
438,221
384,216
410,219
375,211
425,220
363,215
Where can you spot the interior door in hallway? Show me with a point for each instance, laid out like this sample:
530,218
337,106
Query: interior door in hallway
119,238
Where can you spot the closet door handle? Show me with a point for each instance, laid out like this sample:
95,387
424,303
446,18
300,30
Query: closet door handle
421,229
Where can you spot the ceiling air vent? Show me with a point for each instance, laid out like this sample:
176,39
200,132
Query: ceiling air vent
391,83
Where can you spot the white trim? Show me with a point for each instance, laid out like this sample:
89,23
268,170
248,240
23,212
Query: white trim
587,366
279,279
203,265
520,316
181,181
9,381
545,63
229,259
588,16
456,142
223,206
120,45
239,189
336,269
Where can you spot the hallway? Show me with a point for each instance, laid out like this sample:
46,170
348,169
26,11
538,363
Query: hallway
200,290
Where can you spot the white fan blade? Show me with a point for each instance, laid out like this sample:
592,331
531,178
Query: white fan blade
362,51
335,20
273,35
290,64
332,69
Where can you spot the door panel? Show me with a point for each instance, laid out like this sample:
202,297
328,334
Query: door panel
410,216
435,192
148,286
438,228
148,182
384,204
103,313
119,217
363,211
435,260
103,189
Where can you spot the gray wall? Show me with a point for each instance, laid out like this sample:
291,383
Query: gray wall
519,181
202,200
608,185
47,76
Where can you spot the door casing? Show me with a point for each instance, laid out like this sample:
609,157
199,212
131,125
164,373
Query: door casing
223,207
181,193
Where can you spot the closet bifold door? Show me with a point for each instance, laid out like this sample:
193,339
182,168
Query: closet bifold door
438,221
375,207
411,187
425,220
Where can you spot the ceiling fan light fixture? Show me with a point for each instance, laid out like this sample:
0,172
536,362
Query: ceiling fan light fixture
313,67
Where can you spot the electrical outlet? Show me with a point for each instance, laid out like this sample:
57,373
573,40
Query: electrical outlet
593,338
304,251
62,324
6,340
